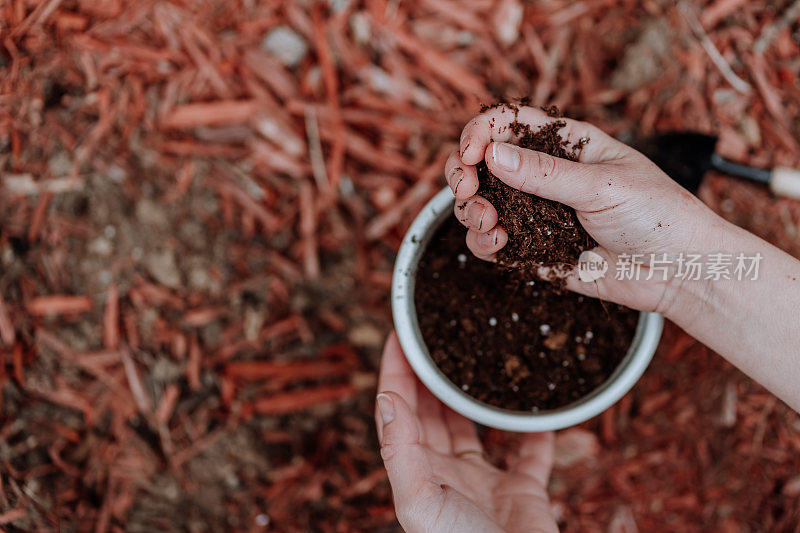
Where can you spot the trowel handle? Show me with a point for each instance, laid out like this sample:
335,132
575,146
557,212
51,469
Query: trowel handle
785,182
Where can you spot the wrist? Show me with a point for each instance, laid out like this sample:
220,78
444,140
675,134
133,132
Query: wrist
689,298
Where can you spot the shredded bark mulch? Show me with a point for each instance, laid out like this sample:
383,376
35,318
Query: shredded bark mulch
199,208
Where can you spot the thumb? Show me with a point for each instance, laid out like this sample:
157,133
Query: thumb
410,473
569,182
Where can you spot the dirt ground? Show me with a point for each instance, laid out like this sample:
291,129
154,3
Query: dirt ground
199,209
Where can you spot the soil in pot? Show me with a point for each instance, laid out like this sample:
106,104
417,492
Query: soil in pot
509,339
498,332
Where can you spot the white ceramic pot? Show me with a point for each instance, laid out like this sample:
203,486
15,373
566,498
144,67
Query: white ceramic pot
648,333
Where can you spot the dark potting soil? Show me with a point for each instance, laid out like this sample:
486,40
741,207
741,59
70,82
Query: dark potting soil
509,339
540,231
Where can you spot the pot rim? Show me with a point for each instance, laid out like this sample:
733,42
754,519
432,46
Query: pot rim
640,353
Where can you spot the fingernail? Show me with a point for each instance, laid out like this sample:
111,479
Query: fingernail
465,142
385,407
506,156
455,177
475,212
488,239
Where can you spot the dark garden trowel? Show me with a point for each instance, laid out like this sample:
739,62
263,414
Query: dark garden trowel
686,157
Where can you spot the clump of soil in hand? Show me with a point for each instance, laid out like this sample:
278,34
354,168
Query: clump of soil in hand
540,232
508,339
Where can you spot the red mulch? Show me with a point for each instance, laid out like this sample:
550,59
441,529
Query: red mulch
197,227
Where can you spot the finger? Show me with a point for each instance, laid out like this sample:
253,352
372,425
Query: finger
485,245
463,434
534,456
396,374
476,213
414,487
492,125
462,179
431,418
578,185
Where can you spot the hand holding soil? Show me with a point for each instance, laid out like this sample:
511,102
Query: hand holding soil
623,201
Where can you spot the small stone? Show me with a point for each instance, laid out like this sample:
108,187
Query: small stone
366,335
364,380
507,20
361,27
346,187
493,321
515,317
200,279
163,267
337,6
286,45
252,322
101,246
117,173
462,258
623,520
60,164
750,131
150,213
727,417
544,329
792,487
574,446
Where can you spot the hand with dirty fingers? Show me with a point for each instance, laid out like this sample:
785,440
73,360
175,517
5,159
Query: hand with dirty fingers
435,461
624,201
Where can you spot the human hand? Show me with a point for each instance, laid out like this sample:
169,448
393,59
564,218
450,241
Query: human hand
439,476
623,200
